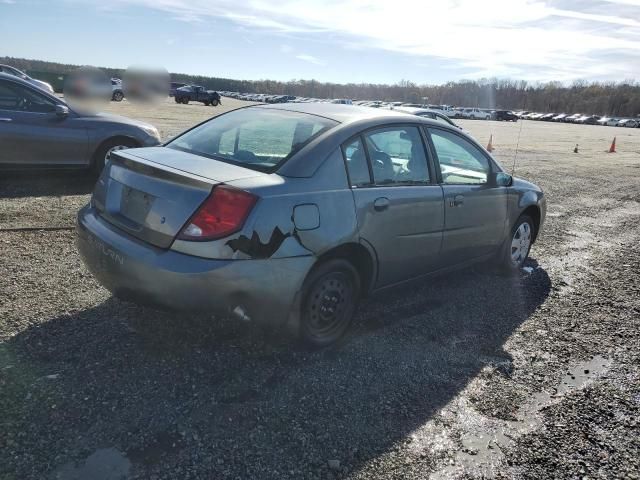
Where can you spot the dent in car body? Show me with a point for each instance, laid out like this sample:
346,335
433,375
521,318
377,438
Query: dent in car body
255,248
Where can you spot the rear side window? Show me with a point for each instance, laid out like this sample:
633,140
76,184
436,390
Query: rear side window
356,160
257,138
397,156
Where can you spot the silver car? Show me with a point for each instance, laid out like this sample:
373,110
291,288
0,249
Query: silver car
33,81
427,113
41,130
287,215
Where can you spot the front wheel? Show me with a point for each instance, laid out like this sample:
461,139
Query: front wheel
102,154
329,300
117,96
518,245
215,102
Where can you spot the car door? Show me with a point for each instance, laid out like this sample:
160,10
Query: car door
400,207
475,208
32,134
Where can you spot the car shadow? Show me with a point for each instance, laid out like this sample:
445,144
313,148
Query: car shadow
46,183
170,391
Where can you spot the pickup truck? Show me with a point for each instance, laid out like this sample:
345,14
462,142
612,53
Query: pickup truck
475,113
197,93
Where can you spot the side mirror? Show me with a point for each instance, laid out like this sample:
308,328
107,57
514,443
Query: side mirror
62,111
503,179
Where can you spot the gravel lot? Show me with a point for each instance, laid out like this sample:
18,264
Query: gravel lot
469,375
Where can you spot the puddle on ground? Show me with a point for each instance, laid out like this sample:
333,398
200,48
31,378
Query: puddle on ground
484,438
164,443
111,464
103,464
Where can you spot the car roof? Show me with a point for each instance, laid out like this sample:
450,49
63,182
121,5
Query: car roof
418,110
13,78
335,111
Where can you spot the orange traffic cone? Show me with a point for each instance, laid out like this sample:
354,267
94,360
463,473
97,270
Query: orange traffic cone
612,148
490,145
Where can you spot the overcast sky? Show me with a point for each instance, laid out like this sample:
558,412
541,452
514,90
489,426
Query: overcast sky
379,41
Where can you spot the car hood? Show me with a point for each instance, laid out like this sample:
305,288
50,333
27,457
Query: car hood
520,184
40,84
102,117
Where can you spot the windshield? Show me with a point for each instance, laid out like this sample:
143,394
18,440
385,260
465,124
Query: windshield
256,138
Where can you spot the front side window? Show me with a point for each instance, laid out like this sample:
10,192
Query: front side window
257,138
397,156
20,99
461,162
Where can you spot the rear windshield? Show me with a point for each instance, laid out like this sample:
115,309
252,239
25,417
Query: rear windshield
257,138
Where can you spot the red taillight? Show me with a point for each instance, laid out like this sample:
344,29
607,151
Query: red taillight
220,215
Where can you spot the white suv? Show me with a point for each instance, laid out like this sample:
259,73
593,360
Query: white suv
117,94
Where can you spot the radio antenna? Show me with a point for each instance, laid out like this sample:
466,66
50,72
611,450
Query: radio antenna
515,156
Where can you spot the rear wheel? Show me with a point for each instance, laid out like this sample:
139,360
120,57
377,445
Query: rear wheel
518,245
101,155
329,301
185,101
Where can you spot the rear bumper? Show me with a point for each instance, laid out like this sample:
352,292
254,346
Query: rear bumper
265,289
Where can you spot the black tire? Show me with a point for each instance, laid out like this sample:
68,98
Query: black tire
117,96
507,263
185,101
177,100
98,160
215,102
329,300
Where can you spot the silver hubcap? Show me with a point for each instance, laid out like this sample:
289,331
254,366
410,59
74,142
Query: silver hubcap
520,244
113,149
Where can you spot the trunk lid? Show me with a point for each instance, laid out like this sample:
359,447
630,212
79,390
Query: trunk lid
193,164
153,199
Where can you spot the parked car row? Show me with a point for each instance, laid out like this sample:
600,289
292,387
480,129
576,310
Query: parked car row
580,118
259,97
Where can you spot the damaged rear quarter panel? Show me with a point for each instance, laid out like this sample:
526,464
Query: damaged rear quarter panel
269,232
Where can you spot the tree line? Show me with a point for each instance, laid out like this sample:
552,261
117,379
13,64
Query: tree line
600,98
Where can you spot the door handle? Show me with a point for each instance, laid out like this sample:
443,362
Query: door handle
381,204
456,201
5,119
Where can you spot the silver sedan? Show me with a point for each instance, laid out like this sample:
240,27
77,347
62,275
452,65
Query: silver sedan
288,215
40,130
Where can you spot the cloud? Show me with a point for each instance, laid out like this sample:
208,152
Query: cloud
310,58
545,40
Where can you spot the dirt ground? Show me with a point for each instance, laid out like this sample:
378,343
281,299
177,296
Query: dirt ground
468,375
